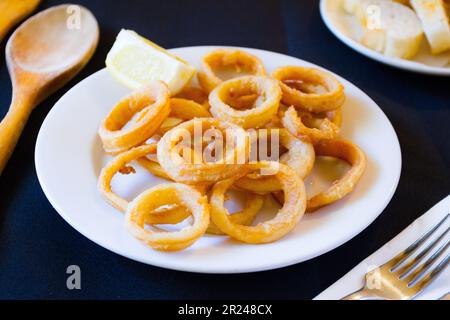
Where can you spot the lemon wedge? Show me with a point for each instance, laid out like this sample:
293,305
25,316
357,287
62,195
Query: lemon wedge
135,61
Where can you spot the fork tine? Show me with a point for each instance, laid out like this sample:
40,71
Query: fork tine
432,275
425,266
396,261
404,270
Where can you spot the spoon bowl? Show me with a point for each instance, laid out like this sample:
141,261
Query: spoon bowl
43,54
48,42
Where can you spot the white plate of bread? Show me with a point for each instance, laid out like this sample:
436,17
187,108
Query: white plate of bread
413,35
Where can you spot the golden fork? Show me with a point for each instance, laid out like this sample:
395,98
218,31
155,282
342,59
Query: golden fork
400,279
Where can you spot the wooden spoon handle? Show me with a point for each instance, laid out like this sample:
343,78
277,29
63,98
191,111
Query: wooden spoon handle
13,11
11,128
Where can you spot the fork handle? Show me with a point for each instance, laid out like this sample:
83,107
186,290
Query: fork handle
363,294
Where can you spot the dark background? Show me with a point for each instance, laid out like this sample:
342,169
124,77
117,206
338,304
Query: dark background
36,245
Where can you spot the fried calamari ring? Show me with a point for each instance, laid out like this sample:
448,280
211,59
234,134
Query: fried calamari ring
299,85
187,109
311,120
335,116
113,167
173,216
275,123
293,123
200,172
253,205
182,110
284,222
162,195
227,61
261,113
167,125
348,152
195,94
153,166
300,157
152,105
315,120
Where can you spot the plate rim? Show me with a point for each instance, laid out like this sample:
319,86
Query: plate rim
403,64
225,270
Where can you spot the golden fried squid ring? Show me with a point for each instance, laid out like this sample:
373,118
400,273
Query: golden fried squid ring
348,152
153,166
162,195
310,89
316,120
253,205
152,105
194,172
174,214
187,109
300,157
113,167
264,109
335,116
275,123
182,110
284,222
195,94
293,123
221,64
168,124
170,216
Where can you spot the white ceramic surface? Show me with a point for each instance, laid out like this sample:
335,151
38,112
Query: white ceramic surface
69,158
346,29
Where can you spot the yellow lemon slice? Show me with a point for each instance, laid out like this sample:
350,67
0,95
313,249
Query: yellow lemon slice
135,61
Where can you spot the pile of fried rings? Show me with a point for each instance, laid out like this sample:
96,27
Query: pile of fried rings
302,106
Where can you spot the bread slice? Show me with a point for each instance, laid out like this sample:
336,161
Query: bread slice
389,27
435,22
352,6
404,2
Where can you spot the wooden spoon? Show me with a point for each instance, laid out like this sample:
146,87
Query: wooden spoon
13,11
43,54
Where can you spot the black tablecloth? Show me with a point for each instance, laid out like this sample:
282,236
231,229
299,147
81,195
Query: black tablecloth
37,245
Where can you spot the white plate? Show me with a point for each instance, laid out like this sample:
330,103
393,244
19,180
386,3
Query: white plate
69,158
345,27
